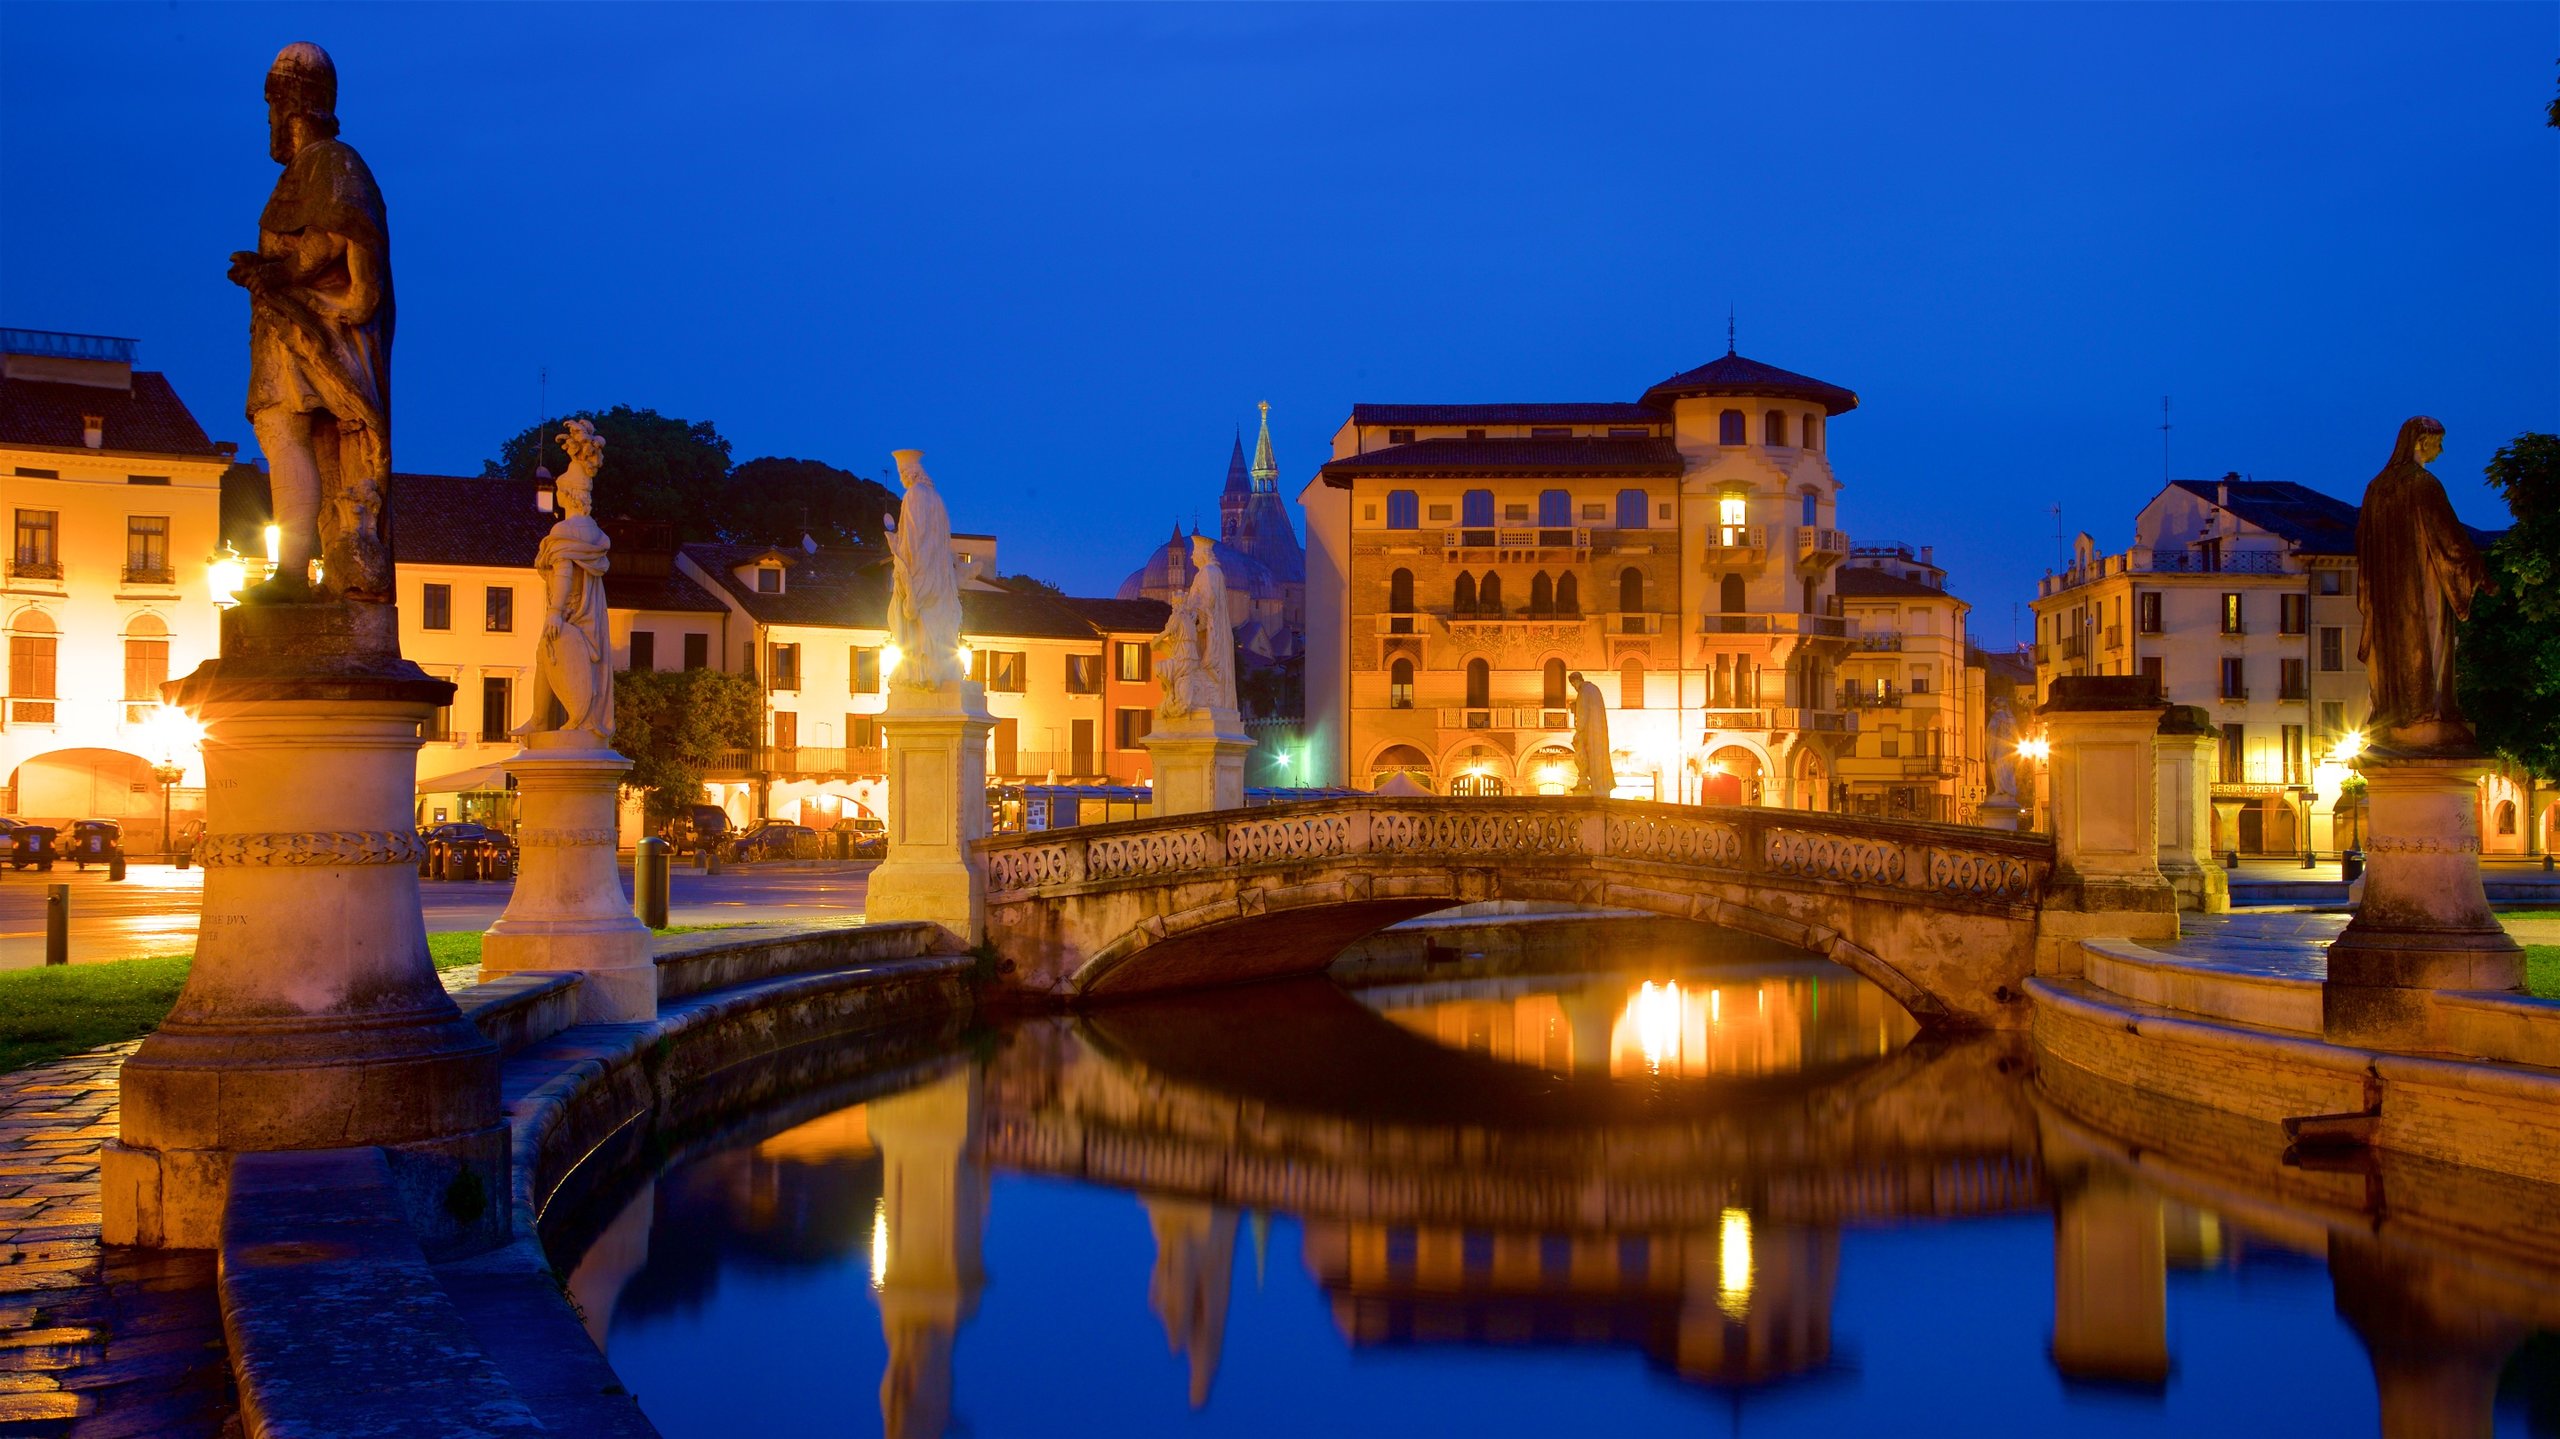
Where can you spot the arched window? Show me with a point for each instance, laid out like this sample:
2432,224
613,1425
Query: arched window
1475,509
1729,595
1400,592
1555,509
1542,595
1489,593
1730,429
1568,594
1400,759
1479,684
1404,510
1631,685
1813,432
146,626
1400,684
1462,598
2506,816
1773,428
1630,590
1634,509
1554,689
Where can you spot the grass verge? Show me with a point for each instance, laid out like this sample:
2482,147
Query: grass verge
2542,970
48,1013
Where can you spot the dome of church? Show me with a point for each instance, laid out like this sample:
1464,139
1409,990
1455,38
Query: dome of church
1168,571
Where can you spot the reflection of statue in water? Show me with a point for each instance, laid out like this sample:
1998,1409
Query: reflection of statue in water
572,664
2002,740
924,609
320,319
1591,737
2416,573
1189,1289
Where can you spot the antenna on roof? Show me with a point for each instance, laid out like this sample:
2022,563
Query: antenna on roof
2061,551
1728,327
2164,439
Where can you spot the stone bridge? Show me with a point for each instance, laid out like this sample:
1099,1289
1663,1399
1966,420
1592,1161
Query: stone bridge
1944,917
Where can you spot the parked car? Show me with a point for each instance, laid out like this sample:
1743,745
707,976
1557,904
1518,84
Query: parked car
776,839
459,849
700,827
96,841
25,845
870,838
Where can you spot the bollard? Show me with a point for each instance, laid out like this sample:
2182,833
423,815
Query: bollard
115,867
649,882
57,924
711,859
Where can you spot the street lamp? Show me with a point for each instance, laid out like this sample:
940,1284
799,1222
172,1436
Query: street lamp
174,732
226,573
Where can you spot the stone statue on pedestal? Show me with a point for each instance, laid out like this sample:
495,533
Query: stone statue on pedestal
2001,737
573,663
1591,738
924,607
320,320
2416,573
1196,652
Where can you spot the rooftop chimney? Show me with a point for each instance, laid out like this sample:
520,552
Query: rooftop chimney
2222,491
93,431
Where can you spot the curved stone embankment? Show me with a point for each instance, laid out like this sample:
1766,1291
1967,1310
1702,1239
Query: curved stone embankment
489,1345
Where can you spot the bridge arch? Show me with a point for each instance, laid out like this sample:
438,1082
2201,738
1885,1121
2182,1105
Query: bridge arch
1942,917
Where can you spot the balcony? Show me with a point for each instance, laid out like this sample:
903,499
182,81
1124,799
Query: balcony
1778,717
27,568
1729,546
2236,695
1628,623
31,711
798,762
1889,697
1507,717
1817,547
1515,542
1880,639
159,574
1781,622
1928,766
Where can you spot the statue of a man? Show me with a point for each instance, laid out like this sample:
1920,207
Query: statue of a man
320,317
1591,737
924,603
2416,573
2001,738
573,662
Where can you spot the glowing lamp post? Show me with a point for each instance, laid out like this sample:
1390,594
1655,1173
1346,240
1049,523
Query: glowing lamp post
226,574
174,733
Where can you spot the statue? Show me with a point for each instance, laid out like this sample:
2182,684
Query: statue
2002,740
1197,650
2417,571
1591,737
320,318
573,662
924,605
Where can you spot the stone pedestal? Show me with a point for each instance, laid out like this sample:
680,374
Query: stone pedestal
312,1017
2106,834
2110,1284
2186,749
2423,922
1200,769
569,912
937,753
2002,813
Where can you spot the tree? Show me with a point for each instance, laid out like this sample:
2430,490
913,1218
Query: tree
2508,678
773,501
1030,585
655,467
673,725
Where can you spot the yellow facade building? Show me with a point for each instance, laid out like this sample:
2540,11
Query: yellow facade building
1917,686
1680,551
113,493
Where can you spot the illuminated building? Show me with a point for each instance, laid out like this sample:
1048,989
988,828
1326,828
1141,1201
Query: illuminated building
112,491
1918,687
1679,552
2239,596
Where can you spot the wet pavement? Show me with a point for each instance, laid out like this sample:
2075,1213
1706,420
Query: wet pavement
153,911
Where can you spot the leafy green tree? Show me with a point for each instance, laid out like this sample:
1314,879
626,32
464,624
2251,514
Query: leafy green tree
1030,585
673,726
655,467
773,501
2509,655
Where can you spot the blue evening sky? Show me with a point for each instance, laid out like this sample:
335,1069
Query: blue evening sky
1065,249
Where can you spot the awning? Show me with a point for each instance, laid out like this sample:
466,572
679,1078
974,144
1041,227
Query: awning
487,776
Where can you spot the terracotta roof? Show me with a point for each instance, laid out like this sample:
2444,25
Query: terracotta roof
1541,457
1731,374
1125,617
2313,522
1567,412
1857,582
149,417
1004,614
451,520
849,589
659,592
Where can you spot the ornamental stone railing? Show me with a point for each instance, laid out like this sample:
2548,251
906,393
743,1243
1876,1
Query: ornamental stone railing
1930,864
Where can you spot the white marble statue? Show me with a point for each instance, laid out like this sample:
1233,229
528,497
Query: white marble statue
1196,653
1591,737
924,606
2001,738
573,661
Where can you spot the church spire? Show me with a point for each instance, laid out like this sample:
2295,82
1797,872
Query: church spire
1239,481
1266,471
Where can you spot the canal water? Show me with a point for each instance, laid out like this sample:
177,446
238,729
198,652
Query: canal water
1641,1181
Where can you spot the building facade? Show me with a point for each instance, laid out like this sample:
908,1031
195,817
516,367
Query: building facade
1918,687
113,494
1680,552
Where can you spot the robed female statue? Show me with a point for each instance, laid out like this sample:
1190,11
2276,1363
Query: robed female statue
924,601
2416,573
572,663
